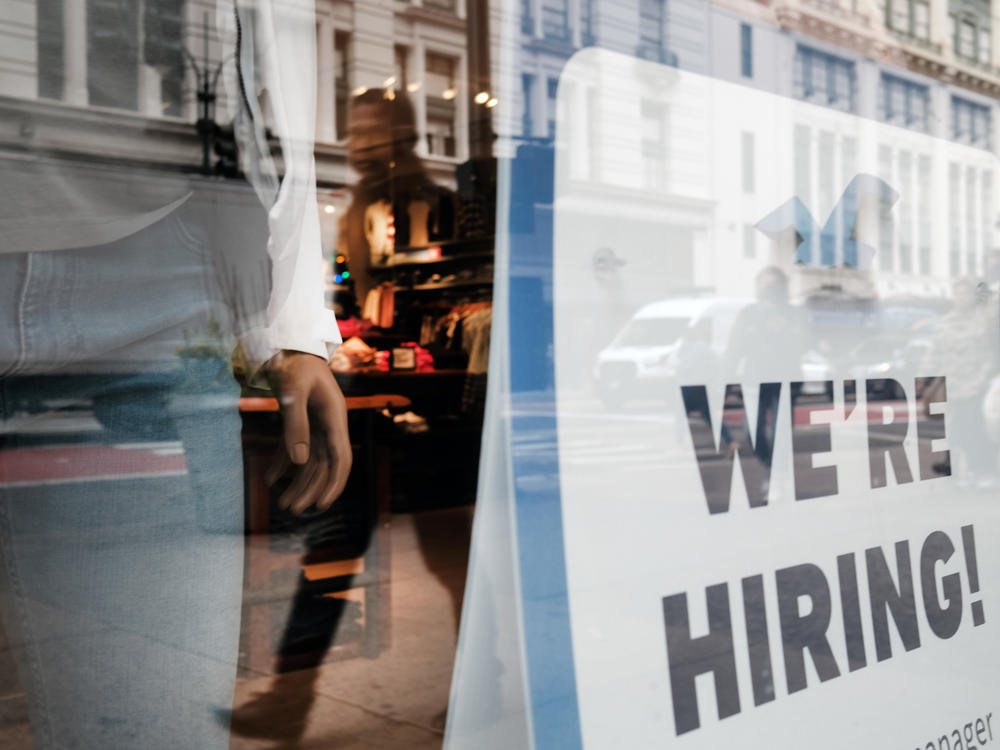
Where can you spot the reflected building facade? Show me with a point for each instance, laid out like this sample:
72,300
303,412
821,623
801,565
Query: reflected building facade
57,94
926,68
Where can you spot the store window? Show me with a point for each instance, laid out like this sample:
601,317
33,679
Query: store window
824,79
729,295
442,92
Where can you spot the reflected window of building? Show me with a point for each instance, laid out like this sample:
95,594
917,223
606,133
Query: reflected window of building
130,54
746,50
594,132
905,212
954,221
651,30
749,241
654,143
441,95
443,6
967,39
342,88
587,36
921,20
552,91
904,102
970,122
986,214
527,92
924,188
825,174
112,54
748,161
555,19
970,24
803,156
824,79
910,18
401,56
527,18
849,158
887,224
971,223
163,50
51,63
899,15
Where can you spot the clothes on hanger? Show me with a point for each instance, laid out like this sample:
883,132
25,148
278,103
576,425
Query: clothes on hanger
476,339
380,305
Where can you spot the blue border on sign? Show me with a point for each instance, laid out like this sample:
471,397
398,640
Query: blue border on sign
538,500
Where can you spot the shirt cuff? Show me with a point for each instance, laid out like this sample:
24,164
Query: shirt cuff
259,345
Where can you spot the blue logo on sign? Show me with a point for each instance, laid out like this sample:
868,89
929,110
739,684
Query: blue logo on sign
836,242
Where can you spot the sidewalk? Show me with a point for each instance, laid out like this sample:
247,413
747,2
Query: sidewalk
394,702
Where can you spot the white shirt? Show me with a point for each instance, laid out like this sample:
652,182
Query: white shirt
53,204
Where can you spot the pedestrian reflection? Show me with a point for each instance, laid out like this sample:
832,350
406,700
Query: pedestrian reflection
395,204
957,347
766,343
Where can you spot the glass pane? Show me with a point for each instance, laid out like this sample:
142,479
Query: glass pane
688,309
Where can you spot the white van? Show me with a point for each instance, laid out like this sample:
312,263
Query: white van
643,360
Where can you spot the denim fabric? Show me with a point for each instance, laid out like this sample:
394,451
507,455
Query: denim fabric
121,592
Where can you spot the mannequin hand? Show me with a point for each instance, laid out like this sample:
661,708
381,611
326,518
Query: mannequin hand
314,414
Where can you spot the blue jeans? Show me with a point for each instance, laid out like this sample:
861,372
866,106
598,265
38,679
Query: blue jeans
121,545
